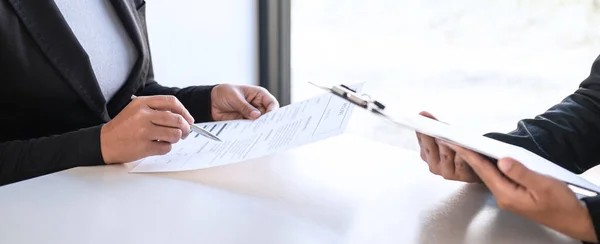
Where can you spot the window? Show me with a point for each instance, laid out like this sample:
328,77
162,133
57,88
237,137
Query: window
477,64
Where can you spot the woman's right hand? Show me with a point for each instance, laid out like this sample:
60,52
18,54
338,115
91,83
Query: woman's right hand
147,126
442,160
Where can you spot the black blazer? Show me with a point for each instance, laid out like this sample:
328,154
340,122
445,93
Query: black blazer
51,107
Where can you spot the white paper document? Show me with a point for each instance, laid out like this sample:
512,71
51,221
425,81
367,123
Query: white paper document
492,148
284,128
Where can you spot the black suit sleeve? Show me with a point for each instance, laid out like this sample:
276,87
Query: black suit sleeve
25,159
567,134
195,98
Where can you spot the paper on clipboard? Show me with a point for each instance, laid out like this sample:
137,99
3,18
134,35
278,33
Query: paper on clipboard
484,145
491,148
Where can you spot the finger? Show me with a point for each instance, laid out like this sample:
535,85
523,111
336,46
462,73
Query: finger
168,103
431,153
447,162
164,134
500,186
464,171
520,174
270,102
261,109
158,148
261,98
422,150
420,138
244,107
427,114
171,120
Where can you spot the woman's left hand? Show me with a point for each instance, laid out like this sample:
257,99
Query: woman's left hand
230,102
540,198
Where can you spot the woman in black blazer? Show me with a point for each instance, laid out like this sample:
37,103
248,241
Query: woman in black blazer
53,113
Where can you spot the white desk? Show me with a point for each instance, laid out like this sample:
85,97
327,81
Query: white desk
342,190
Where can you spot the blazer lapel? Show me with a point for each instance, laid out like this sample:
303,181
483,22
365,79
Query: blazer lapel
53,35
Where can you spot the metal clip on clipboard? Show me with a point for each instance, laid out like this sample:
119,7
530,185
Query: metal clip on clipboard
365,101
362,100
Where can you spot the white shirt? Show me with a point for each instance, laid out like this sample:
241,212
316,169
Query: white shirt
101,33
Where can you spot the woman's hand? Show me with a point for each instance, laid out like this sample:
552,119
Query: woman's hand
230,102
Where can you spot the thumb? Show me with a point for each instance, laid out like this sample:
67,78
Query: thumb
245,108
427,114
518,173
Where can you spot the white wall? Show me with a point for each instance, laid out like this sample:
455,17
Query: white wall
196,42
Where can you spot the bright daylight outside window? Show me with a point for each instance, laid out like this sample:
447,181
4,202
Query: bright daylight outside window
481,64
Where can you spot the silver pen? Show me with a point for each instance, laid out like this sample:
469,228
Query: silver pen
203,132
197,129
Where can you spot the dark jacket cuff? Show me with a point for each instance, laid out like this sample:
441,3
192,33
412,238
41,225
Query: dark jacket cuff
593,206
197,100
90,152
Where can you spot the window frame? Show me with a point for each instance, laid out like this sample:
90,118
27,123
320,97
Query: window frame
274,28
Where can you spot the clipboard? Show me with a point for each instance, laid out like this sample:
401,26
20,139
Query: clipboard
488,147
